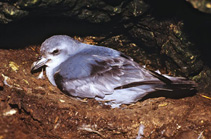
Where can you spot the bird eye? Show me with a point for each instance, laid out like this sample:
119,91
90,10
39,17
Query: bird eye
55,52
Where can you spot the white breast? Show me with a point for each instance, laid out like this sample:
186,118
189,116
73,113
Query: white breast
50,74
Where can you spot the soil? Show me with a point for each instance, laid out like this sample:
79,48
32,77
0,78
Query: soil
33,108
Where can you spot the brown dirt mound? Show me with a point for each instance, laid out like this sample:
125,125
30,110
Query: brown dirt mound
33,108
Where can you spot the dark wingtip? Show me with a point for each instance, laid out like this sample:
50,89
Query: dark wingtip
161,77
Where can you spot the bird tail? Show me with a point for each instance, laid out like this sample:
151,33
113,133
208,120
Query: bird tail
174,87
170,87
178,88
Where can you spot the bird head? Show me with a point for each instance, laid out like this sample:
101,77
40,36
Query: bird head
55,50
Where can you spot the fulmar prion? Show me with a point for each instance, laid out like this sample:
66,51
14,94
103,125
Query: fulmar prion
89,71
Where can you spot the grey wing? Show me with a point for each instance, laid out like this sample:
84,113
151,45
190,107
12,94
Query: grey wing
95,76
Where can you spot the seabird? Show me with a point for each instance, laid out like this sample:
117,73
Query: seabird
89,71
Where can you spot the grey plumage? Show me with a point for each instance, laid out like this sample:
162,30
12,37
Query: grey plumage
89,71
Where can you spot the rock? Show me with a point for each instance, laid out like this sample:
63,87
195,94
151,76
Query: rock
10,12
204,80
203,6
94,11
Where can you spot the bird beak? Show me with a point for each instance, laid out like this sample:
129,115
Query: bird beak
38,64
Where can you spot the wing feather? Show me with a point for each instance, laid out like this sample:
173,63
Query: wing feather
95,76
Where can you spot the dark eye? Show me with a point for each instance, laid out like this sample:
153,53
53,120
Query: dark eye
55,52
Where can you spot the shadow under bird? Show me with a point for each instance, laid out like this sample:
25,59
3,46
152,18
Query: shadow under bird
89,71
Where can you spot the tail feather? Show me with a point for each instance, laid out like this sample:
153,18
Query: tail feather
177,87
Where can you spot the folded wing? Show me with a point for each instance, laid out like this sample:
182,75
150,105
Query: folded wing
96,76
